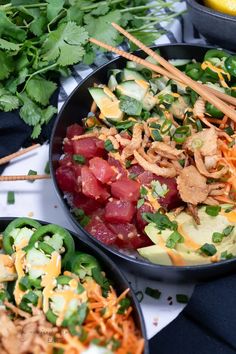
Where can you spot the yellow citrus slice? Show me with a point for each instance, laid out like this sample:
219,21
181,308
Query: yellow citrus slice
225,6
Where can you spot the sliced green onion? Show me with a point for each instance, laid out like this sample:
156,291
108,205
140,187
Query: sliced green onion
127,163
109,146
156,135
229,130
208,249
182,162
124,305
10,198
227,231
198,125
197,143
182,298
165,128
143,191
32,173
181,134
80,159
173,239
226,255
217,237
155,293
140,203
47,168
213,210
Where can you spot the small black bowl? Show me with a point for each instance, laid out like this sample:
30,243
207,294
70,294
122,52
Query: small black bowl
112,271
76,107
217,27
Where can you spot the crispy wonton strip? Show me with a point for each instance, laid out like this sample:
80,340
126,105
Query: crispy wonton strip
202,168
152,167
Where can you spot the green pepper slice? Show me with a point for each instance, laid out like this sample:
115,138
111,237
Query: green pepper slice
194,71
213,111
215,53
83,263
230,65
28,300
19,223
57,238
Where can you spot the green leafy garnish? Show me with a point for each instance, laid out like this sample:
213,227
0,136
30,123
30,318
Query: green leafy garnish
173,239
109,146
159,190
10,197
182,298
217,237
155,293
227,231
143,191
101,280
213,210
208,249
226,255
161,220
140,202
124,304
80,159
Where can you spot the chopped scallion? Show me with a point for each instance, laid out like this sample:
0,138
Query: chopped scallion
32,173
213,210
227,231
182,298
109,146
155,293
173,239
217,237
208,249
80,159
10,198
140,203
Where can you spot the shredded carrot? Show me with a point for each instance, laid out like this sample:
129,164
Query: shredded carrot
214,120
223,122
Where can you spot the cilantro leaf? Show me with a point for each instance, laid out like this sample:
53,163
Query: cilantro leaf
161,220
53,8
65,44
36,131
30,112
100,10
10,29
38,26
101,29
40,90
9,45
6,65
48,113
9,102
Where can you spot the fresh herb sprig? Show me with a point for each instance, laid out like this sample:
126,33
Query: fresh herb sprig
40,40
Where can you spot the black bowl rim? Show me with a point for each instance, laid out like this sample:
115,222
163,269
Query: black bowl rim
110,264
202,8
153,266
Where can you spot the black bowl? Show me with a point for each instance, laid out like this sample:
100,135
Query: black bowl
111,270
217,27
76,107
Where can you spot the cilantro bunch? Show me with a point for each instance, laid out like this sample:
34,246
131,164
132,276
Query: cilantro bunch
40,40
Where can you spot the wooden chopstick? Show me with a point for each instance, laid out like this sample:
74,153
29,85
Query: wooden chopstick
23,178
17,154
197,87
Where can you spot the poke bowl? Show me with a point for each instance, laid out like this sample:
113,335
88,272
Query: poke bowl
150,183
61,293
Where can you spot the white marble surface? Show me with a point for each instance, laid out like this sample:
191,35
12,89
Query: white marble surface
39,200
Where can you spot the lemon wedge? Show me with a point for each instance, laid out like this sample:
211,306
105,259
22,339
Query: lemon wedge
225,6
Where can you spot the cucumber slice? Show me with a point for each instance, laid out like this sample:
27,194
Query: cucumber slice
132,75
107,103
112,83
179,62
134,66
133,89
149,101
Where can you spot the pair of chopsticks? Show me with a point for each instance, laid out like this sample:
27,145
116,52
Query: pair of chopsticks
20,177
218,99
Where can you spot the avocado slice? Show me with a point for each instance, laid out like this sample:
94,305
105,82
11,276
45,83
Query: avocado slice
155,254
107,102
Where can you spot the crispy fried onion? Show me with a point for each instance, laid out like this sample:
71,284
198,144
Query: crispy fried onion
193,211
152,167
95,134
26,335
216,189
165,150
204,141
122,141
192,186
211,201
135,142
202,168
199,108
